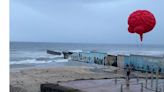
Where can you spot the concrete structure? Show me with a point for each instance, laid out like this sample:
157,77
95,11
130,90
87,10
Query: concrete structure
108,85
111,60
121,60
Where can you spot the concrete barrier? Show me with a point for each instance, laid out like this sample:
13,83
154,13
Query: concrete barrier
55,88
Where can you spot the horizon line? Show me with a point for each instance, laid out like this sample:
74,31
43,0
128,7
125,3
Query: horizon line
83,43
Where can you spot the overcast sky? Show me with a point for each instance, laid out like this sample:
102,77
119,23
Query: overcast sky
82,21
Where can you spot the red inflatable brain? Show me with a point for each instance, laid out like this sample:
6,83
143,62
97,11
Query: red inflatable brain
141,21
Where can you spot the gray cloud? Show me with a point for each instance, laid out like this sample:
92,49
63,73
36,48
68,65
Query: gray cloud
94,21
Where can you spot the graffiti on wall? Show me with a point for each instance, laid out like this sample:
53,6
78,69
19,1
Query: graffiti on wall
145,63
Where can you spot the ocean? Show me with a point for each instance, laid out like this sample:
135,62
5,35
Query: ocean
35,52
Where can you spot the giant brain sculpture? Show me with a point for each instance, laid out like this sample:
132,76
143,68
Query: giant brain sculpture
141,21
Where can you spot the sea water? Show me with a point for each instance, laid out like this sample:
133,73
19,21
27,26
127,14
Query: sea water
35,52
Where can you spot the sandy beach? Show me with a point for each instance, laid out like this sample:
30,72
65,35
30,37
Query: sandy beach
29,79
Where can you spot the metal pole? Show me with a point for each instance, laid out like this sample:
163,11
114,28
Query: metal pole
146,79
127,83
156,81
116,78
160,90
121,88
152,79
163,87
137,78
141,87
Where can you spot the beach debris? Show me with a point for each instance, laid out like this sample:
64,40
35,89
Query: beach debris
140,22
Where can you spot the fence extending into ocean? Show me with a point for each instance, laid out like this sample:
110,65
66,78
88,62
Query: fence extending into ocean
147,63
